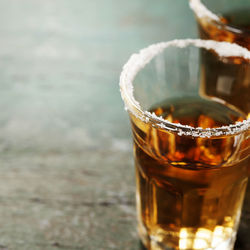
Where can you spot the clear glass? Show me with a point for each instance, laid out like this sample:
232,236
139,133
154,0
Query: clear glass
191,141
224,20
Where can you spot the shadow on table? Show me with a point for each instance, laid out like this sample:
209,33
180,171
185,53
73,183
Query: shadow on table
141,247
242,242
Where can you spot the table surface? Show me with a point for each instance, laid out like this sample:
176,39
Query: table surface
67,177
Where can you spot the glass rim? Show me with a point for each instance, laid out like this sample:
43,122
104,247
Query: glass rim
201,11
138,61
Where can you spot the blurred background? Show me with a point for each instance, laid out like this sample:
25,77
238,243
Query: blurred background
67,176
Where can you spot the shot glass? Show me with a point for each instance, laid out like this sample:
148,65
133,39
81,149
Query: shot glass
191,148
223,20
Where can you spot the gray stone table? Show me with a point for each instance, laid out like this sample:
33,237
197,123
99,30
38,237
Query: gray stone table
67,177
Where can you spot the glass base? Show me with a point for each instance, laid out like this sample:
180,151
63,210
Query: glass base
186,239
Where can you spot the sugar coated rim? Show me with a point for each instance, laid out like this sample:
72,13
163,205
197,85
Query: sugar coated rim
137,62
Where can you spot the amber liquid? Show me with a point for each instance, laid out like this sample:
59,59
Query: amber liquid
230,81
189,190
236,29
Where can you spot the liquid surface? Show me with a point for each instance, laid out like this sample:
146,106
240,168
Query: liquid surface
197,112
186,198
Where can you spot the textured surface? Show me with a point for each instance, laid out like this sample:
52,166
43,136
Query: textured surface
65,148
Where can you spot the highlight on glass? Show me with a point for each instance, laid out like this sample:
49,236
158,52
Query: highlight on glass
191,141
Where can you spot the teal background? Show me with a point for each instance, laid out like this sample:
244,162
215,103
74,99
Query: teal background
67,177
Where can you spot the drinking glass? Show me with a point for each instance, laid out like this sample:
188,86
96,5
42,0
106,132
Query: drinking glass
191,146
223,20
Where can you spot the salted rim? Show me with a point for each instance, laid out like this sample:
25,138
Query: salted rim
137,62
202,11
